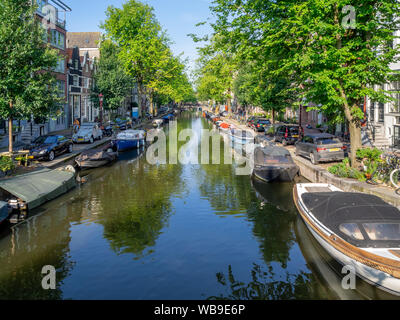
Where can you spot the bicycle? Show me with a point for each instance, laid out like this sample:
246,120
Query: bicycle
381,174
394,174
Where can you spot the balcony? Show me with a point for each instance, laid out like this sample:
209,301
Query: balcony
51,12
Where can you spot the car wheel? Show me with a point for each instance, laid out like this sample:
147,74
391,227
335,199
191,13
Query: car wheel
312,158
70,148
51,156
91,140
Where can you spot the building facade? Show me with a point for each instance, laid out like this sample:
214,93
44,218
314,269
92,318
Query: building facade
75,83
384,118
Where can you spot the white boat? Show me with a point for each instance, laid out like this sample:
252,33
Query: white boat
356,229
157,123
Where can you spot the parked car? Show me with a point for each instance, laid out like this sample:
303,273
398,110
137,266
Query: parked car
260,124
250,120
287,134
320,147
88,132
50,146
122,124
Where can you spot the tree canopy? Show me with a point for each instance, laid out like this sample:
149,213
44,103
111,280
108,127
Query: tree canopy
323,51
144,51
27,85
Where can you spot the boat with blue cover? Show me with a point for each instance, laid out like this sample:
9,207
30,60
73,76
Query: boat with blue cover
129,139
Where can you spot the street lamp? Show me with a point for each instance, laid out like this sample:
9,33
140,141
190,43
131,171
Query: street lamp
101,108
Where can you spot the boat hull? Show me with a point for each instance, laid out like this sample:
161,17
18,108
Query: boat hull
276,173
346,256
125,145
90,164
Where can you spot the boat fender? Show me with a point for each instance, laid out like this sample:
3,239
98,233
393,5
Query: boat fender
68,168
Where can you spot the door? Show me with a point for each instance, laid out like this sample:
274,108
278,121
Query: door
308,145
396,136
300,146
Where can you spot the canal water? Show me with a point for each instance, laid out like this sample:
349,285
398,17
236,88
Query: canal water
187,231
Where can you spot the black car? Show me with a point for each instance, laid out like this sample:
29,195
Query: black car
287,134
50,146
260,124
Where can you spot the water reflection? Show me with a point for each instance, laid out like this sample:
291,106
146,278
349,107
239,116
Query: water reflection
185,231
265,285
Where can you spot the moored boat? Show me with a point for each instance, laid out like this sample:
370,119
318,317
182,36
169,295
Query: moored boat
129,139
241,136
274,164
157,123
28,191
356,229
95,158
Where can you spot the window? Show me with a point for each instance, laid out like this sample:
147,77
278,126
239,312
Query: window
381,112
382,231
395,105
325,141
60,66
41,4
57,39
372,112
75,81
351,230
61,88
308,139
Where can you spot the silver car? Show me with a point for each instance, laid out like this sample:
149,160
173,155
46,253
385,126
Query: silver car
88,132
320,147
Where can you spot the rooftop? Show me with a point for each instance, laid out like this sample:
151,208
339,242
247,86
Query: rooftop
83,39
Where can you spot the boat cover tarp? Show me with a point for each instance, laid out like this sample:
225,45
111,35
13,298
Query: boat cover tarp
3,210
38,187
243,134
272,154
335,208
96,155
131,135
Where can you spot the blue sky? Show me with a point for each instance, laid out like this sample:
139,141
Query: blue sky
178,17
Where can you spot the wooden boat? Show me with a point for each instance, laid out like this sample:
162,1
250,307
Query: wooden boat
95,158
274,164
356,229
129,139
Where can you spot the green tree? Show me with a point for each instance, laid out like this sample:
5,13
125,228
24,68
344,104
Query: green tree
144,47
336,61
110,78
27,85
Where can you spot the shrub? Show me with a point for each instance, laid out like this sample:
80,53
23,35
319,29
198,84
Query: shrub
6,164
343,170
371,154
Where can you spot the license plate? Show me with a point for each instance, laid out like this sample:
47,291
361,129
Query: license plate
81,139
295,136
334,150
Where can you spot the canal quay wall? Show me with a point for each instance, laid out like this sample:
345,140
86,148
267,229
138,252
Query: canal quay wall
317,174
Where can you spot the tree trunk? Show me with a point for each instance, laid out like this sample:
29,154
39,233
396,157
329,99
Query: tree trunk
151,104
355,142
229,102
10,132
140,100
273,116
10,136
